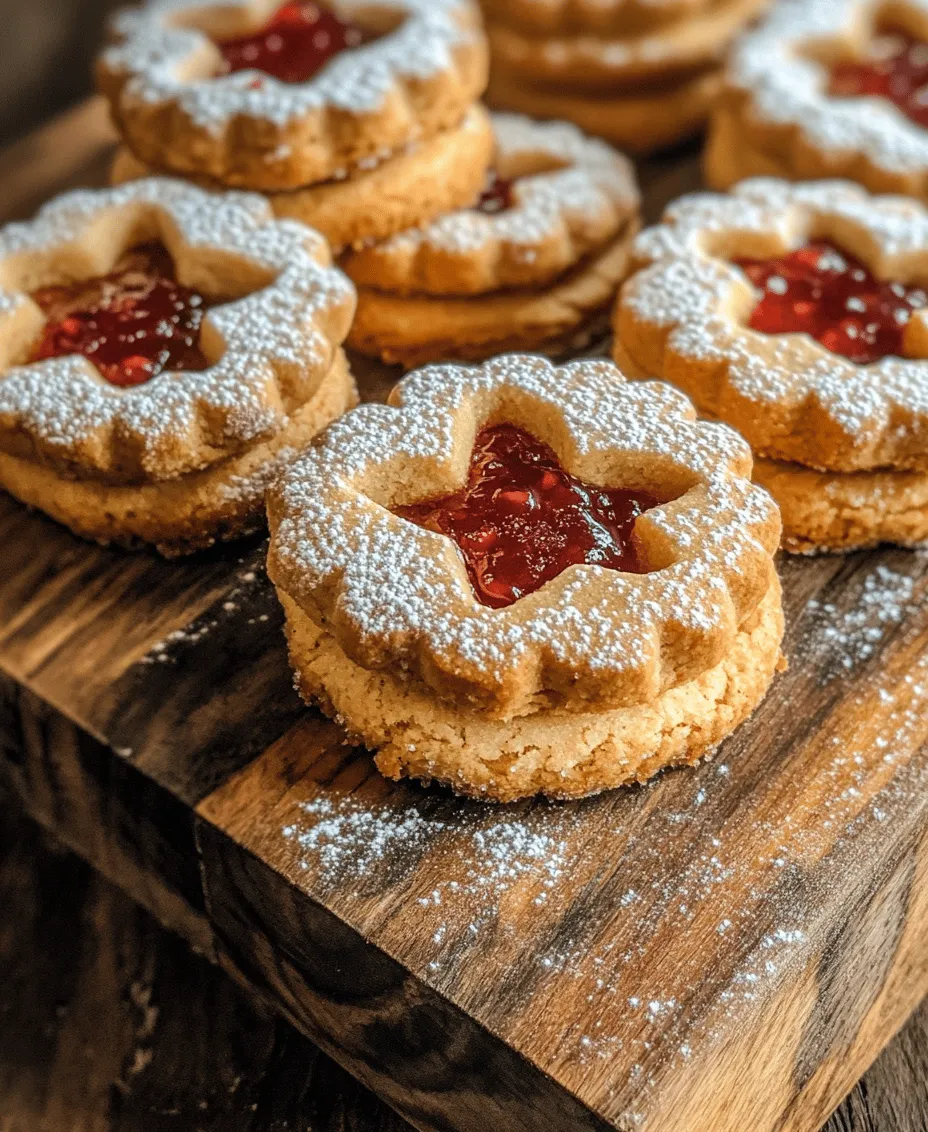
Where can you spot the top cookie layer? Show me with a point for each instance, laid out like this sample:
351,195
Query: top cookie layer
269,345
395,594
179,112
571,194
781,70
683,318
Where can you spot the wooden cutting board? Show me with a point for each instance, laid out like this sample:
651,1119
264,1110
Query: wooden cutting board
725,950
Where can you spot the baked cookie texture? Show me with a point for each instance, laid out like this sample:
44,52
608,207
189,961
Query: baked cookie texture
536,274
842,446
423,181
597,678
183,459
384,136
776,117
640,75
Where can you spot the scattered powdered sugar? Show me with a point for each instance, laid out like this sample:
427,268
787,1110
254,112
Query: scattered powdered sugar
165,58
787,86
331,538
691,290
177,421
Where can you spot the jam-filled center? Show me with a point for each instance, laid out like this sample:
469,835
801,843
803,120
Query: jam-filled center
824,291
521,519
896,69
497,195
132,324
297,41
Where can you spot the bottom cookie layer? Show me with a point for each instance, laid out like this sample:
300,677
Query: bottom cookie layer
224,501
556,753
729,158
414,330
408,190
841,511
640,123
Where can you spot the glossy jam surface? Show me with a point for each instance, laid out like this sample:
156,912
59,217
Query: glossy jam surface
522,519
132,324
896,69
496,196
824,291
298,40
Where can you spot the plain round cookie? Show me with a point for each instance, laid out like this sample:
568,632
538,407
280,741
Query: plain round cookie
833,511
640,123
179,516
559,754
414,330
408,189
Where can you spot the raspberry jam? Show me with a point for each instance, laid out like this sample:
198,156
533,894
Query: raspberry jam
522,519
822,290
298,40
897,69
132,324
496,196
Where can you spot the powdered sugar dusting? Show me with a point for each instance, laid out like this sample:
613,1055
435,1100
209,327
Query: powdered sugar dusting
275,340
691,289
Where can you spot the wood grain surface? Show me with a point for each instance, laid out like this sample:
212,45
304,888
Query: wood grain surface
725,949
111,1024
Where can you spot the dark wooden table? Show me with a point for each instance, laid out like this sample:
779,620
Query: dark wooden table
109,1023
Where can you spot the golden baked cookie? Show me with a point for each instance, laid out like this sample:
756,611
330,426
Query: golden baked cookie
603,17
532,265
521,634
796,313
639,121
429,178
271,96
163,349
590,61
828,88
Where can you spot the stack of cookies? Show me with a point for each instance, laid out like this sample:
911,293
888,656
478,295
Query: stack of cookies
640,73
360,121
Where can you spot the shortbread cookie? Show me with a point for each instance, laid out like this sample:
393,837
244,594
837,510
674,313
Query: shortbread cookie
428,179
589,61
554,197
161,349
524,633
828,88
638,121
796,314
601,17
840,511
271,96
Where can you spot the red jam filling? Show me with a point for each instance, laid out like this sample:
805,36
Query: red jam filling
298,40
897,69
132,324
496,196
521,518
822,290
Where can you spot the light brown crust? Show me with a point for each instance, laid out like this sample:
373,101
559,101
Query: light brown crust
432,177
571,196
575,17
832,511
589,61
414,330
222,502
414,81
733,154
640,123
559,754
397,597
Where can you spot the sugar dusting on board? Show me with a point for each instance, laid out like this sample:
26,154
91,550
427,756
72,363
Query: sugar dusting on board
591,901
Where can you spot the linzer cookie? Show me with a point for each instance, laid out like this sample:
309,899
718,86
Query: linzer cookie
532,265
797,313
163,351
827,88
359,120
523,579
640,75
